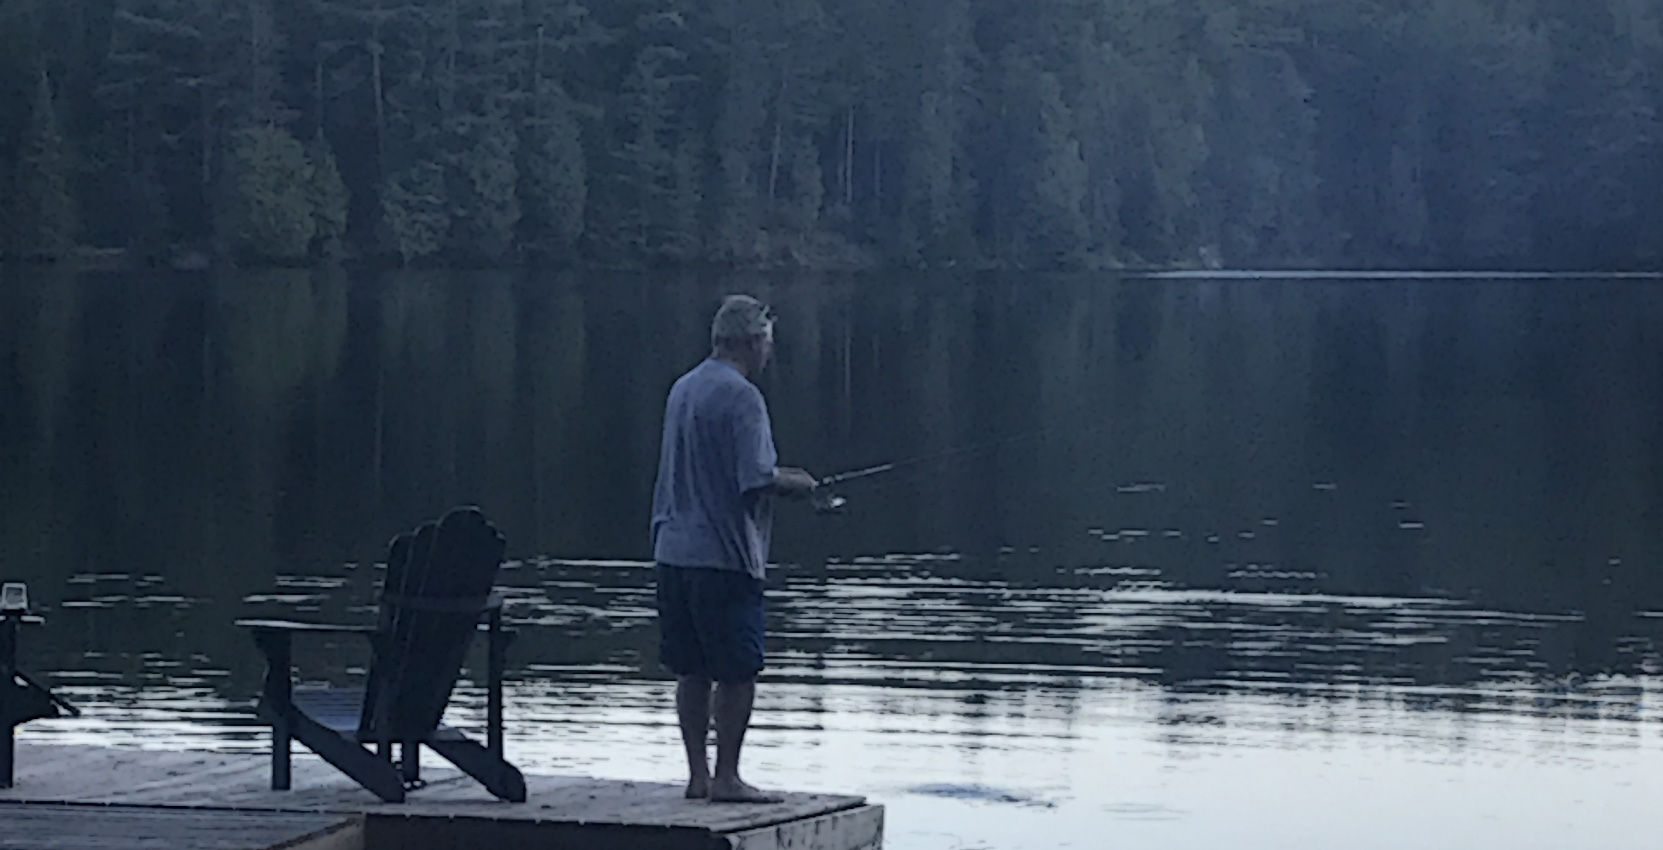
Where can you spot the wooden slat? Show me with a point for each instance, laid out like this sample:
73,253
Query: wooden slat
422,651
853,829
338,709
50,827
332,708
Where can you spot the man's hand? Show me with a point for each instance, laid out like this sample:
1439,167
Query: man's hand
794,482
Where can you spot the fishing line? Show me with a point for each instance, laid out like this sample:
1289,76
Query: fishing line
827,502
961,450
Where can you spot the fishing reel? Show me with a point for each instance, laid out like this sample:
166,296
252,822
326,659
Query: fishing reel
827,502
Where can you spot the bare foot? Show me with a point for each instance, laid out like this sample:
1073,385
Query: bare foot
738,791
698,788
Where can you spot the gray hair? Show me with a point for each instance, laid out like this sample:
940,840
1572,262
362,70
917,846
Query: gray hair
741,318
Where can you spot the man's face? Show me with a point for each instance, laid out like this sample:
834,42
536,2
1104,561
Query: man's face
765,348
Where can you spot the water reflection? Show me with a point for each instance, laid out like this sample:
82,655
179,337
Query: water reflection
947,668
1234,551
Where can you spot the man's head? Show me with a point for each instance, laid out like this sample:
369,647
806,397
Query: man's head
743,333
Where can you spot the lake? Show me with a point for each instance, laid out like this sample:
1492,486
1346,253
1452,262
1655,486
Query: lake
1170,563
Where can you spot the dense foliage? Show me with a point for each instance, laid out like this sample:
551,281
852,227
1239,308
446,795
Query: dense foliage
1451,133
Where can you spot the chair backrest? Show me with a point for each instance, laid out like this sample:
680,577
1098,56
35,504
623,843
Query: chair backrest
437,584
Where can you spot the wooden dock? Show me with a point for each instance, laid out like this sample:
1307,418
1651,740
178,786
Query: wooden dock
95,798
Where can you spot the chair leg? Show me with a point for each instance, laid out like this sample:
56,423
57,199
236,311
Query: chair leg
495,661
410,753
6,756
499,777
280,775
277,704
364,766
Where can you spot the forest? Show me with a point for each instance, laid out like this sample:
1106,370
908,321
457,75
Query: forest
1015,134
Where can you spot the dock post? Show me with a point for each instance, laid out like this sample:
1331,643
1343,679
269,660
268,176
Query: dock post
6,744
8,681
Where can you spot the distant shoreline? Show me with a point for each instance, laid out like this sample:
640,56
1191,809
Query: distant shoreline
189,259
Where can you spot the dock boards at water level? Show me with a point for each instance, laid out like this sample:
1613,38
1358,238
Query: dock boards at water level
179,792
45,826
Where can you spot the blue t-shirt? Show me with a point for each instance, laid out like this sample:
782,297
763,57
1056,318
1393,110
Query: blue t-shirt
712,505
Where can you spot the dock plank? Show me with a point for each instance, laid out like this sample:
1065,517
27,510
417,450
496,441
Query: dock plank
83,774
62,827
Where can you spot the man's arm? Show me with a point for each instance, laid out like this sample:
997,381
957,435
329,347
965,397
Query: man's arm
793,482
759,467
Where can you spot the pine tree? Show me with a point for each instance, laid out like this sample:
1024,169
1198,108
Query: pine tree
554,166
554,176
938,199
173,80
1045,173
484,185
741,112
682,240
1265,183
490,80
45,218
330,200
649,178
808,188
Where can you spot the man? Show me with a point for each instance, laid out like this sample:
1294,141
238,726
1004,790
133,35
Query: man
712,520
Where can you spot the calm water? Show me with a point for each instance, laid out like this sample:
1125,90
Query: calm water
1245,563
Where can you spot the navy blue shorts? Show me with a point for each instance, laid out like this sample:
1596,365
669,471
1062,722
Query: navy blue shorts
710,623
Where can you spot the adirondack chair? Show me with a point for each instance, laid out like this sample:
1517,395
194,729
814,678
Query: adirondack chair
22,699
437,589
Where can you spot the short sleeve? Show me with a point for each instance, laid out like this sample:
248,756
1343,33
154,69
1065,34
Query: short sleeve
753,442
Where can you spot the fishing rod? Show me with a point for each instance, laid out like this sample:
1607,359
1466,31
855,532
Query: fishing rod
841,478
826,502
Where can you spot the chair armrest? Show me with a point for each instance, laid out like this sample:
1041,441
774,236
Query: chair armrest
273,637
290,627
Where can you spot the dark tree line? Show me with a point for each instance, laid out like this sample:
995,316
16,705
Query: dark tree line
1452,133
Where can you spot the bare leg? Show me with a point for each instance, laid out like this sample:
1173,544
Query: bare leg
733,717
693,700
